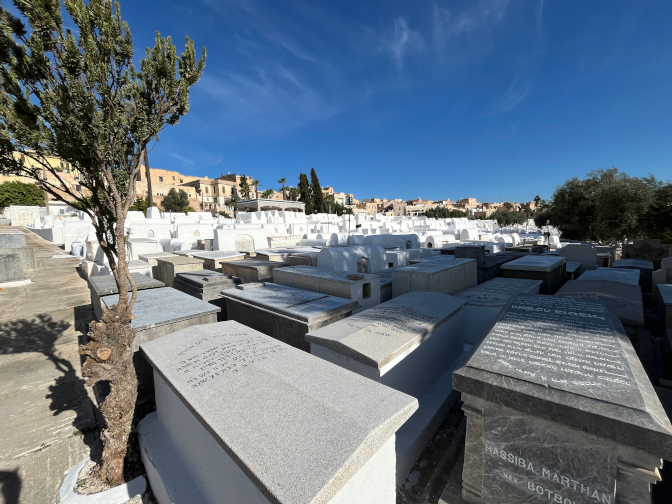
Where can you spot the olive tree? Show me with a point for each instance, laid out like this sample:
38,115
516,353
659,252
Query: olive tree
75,94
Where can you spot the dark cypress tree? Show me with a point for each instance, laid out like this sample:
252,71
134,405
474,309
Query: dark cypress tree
316,189
305,193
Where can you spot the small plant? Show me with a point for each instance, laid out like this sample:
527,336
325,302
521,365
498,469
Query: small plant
78,433
110,481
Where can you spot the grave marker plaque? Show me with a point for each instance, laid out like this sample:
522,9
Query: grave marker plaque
560,409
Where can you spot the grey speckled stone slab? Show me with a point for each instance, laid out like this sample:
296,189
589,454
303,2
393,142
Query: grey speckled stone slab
208,279
377,335
572,267
299,427
544,263
639,264
570,362
306,306
498,291
623,275
151,258
626,299
104,285
163,306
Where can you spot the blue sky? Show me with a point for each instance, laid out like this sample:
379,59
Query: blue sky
449,99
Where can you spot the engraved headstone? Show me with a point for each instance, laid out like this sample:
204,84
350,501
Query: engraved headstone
560,409
244,418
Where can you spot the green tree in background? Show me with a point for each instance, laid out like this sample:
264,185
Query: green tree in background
282,182
141,205
268,193
244,187
69,89
610,207
16,192
175,201
444,213
305,194
316,192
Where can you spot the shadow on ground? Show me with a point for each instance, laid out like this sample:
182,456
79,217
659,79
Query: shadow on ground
41,334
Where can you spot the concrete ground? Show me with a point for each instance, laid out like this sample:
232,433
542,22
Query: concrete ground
46,414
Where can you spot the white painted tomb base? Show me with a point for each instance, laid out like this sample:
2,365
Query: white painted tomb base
411,344
116,495
243,418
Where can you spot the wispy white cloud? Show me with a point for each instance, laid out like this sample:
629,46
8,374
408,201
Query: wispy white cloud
183,159
270,101
513,97
478,16
540,16
401,42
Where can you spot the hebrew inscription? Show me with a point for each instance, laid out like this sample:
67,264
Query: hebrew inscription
384,321
210,357
561,343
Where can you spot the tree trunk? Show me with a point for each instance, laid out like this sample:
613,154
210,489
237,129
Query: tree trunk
150,196
110,358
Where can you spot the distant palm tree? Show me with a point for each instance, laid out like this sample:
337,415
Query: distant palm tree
283,181
256,185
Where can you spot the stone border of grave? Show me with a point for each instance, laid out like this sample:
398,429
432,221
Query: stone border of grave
116,495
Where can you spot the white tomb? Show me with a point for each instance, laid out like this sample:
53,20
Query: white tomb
360,287
243,418
443,274
411,344
355,259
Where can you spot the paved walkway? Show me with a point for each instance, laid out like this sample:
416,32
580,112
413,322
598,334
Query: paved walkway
44,406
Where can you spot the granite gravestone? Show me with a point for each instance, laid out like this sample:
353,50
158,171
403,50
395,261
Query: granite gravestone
573,270
397,344
547,268
559,409
159,312
244,418
213,259
441,274
486,301
252,270
360,287
105,285
207,285
626,276
283,312
645,269
168,267
625,299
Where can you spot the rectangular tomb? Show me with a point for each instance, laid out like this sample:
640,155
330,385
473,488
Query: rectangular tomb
441,274
360,287
159,312
252,270
207,285
547,268
213,259
411,344
285,313
559,409
151,259
105,285
645,269
486,301
168,267
244,418
626,276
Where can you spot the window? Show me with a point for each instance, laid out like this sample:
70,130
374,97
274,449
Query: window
78,188
160,179
173,178
207,191
181,181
